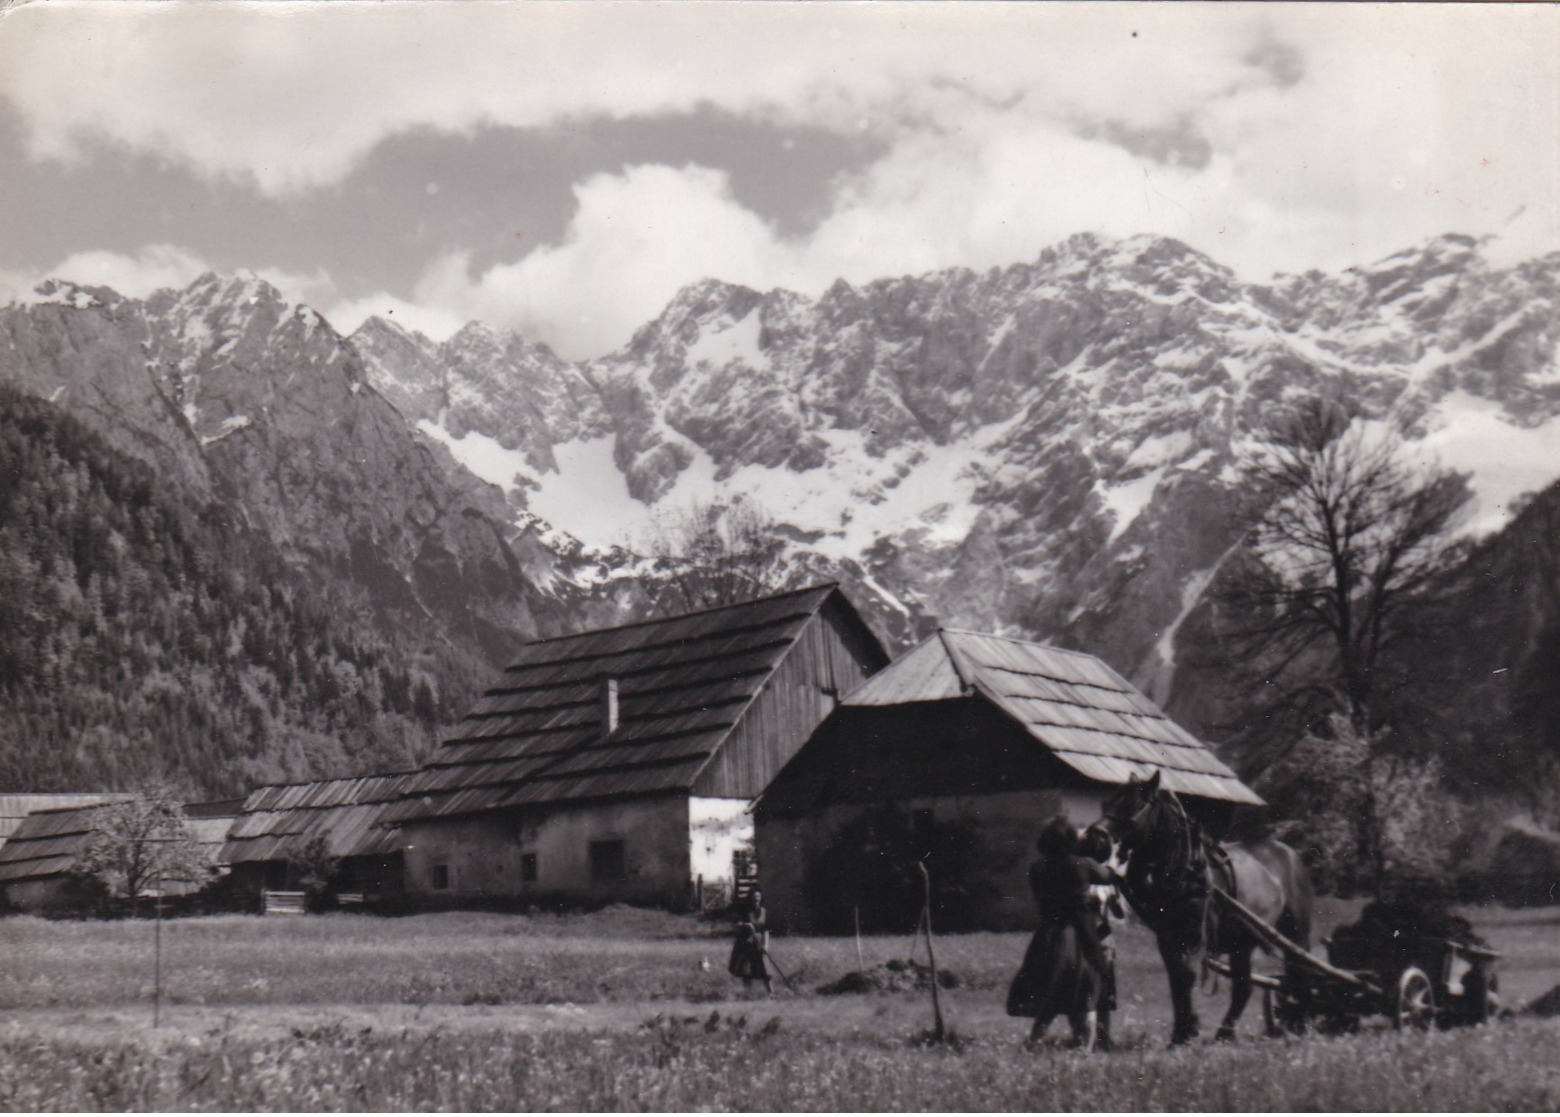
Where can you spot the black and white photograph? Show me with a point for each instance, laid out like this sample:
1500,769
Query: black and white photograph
716,555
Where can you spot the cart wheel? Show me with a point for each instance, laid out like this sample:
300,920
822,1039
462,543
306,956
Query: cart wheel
1415,1006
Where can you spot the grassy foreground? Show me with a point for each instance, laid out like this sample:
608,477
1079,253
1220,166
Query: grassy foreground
618,1011
685,1067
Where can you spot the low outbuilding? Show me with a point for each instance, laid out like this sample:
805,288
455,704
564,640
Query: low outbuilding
286,831
38,859
955,754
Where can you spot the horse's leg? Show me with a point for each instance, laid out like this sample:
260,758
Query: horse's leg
1102,1030
1240,990
1183,981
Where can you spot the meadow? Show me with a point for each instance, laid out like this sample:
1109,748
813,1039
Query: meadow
617,1010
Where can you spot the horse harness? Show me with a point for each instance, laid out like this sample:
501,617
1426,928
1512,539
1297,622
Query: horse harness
1195,867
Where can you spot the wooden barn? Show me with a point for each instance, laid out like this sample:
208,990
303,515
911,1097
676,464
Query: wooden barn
15,807
37,859
36,862
619,764
277,824
957,752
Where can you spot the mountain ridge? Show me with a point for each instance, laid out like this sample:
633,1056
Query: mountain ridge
1044,449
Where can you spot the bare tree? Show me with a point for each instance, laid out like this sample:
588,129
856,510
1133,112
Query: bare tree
1346,547
141,842
1340,568
711,554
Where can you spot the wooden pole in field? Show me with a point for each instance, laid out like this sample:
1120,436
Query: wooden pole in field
861,967
938,1031
157,973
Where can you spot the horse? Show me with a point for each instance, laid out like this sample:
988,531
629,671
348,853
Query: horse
1172,870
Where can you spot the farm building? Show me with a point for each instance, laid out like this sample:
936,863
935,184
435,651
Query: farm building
15,807
37,859
36,862
276,826
957,752
619,764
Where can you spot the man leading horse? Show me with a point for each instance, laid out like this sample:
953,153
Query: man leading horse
1172,870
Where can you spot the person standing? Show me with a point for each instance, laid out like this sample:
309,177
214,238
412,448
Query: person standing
749,951
1065,969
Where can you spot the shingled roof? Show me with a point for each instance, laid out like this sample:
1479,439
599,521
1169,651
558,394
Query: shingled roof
1074,704
278,821
48,843
15,807
683,685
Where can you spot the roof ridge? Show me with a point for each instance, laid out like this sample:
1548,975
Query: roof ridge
682,616
1018,640
322,779
960,669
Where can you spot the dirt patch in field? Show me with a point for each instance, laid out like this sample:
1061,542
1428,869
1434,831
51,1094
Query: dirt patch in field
892,976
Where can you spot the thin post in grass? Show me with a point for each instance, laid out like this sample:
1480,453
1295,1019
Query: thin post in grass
157,951
861,967
939,1032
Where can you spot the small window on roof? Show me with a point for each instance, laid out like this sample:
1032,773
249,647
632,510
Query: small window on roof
609,705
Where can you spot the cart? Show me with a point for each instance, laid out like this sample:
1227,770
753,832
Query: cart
1416,977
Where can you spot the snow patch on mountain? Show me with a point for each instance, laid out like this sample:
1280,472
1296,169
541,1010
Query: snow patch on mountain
485,457
737,342
231,425
1505,461
1126,500
588,495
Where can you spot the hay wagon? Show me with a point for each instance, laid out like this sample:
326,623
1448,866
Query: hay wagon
1417,973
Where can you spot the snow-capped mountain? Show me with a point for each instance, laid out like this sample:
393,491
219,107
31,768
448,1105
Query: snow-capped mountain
1043,449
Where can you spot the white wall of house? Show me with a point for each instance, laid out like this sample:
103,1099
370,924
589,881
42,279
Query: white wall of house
717,829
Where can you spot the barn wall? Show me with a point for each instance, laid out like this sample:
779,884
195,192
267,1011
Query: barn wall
36,895
482,856
1006,823
828,660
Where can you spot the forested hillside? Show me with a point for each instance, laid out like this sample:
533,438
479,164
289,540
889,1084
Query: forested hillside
144,634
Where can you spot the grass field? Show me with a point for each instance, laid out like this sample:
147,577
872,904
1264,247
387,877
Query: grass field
616,1011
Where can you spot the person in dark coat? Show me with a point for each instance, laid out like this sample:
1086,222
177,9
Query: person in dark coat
1065,970
751,946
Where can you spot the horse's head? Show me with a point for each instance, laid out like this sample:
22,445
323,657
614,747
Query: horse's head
1124,816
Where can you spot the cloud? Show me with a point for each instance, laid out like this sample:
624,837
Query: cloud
152,268
1270,137
636,238
293,96
433,322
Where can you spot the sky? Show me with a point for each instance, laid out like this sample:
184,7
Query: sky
563,169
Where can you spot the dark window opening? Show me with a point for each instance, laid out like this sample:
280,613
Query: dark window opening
607,863
441,876
528,868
